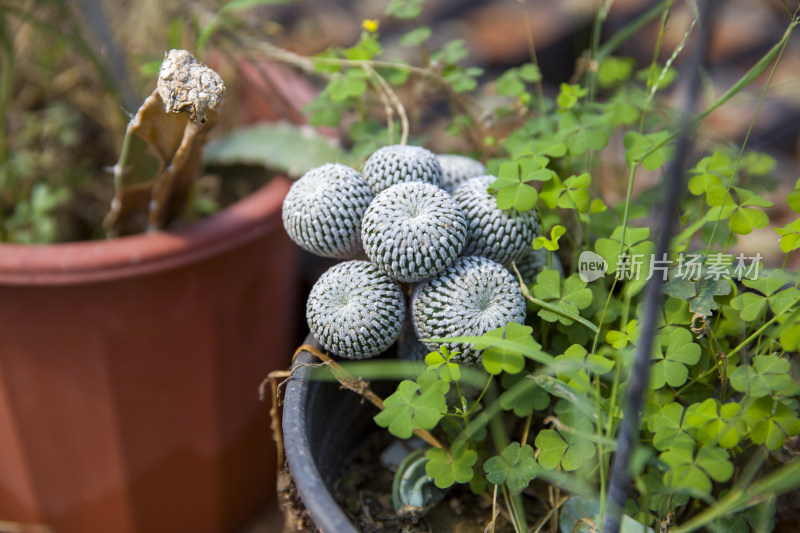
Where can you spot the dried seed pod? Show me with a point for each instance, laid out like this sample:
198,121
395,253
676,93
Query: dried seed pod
355,311
391,165
472,296
456,169
185,84
323,210
413,231
491,232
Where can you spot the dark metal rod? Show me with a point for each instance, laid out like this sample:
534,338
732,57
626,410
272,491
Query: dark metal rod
638,384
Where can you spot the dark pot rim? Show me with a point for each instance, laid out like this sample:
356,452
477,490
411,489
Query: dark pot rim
94,261
317,498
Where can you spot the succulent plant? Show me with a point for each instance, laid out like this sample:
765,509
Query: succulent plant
456,169
491,232
355,311
472,296
323,210
413,231
531,262
395,164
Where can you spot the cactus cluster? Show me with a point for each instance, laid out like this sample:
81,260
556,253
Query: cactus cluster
399,212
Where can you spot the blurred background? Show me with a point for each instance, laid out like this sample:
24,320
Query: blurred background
73,72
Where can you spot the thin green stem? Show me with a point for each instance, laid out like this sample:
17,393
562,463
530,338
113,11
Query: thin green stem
744,143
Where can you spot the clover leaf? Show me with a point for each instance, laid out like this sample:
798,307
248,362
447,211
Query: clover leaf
523,404
669,427
641,148
768,376
688,470
570,295
515,466
512,186
552,243
449,468
715,423
575,364
775,293
568,447
406,409
676,350
441,361
770,422
790,236
495,359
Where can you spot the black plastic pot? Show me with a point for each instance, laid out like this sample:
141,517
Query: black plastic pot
323,426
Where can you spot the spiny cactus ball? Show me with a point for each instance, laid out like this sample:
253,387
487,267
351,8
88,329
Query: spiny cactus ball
491,232
472,296
391,165
456,169
413,231
355,311
323,210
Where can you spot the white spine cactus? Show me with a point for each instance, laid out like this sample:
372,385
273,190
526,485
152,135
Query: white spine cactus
472,296
456,169
491,232
413,231
355,311
322,212
391,165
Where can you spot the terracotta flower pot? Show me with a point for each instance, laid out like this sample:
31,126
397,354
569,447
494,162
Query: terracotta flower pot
129,371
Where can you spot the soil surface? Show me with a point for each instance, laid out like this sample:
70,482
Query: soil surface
364,491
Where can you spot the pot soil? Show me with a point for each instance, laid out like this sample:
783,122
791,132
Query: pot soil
335,479
129,371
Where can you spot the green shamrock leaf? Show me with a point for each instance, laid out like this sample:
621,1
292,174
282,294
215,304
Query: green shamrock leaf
570,295
669,428
416,37
495,359
575,365
513,188
440,361
620,339
636,248
407,409
552,243
687,470
615,70
770,422
715,423
790,236
515,466
676,350
641,149
568,447
455,467
710,172
768,376
523,404
568,95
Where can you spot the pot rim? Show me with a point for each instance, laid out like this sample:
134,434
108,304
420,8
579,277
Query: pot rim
323,508
85,262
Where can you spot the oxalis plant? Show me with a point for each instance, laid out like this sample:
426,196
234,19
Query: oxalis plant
645,377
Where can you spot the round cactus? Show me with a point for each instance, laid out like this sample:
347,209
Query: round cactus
456,169
355,311
391,165
491,232
413,231
472,296
322,212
